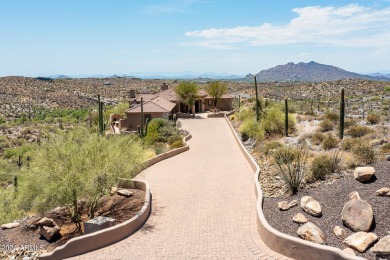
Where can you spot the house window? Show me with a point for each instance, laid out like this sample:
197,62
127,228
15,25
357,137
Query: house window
210,102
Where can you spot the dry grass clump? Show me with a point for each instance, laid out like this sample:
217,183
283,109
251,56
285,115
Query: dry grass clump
326,125
317,138
364,153
358,131
373,118
323,165
329,142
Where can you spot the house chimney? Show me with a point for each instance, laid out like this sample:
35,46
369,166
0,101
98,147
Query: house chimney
132,93
164,86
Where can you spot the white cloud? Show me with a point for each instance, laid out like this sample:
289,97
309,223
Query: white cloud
351,25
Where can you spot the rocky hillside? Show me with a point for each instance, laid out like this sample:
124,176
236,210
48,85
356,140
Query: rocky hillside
311,71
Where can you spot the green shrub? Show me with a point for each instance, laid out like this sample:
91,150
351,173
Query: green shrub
2,120
9,210
329,142
160,130
273,122
348,122
173,139
332,116
78,164
251,128
177,144
364,153
323,165
358,131
348,143
317,138
272,145
326,125
246,113
159,148
373,118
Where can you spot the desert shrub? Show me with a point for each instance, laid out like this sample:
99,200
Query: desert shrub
159,148
292,165
149,153
246,113
250,128
160,130
326,125
78,165
4,142
348,122
273,122
323,165
329,142
9,209
272,145
385,148
317,138
358,131
364,153
373,118
232,117
14,152
348,143
177,144
173,139
332,116
2,120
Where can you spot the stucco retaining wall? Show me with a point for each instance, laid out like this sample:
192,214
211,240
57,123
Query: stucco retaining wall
279,242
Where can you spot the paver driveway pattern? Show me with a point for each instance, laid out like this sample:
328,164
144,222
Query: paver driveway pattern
203,204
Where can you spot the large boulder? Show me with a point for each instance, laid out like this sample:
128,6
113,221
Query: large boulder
312,233
299,218
383,192
49,232
311,206
48,222
360,241
284,205
364,174
357,215
382,248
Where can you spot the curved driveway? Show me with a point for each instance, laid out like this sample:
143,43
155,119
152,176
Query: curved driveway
203,204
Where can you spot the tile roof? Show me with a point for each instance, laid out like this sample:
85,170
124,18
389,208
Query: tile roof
157,104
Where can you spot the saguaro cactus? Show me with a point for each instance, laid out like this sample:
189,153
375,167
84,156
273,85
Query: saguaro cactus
257,102
100,111
239,102
286,116
142,117
19,162
342,113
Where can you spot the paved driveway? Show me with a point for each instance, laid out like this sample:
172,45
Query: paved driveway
203,204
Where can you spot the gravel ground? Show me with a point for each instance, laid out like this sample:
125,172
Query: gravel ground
332,197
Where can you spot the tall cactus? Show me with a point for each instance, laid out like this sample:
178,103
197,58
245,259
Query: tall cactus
342,113
257,102
100,111
142,117
286,116
363,108
19,161
239,102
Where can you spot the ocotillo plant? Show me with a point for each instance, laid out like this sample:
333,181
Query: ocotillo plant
286,116
342,113
19,162
16,184
257,102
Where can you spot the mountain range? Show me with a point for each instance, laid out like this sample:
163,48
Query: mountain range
311,71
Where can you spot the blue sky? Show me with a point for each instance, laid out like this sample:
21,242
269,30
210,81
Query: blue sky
47,37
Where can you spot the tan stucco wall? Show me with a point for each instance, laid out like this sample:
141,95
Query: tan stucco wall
134,119
224,104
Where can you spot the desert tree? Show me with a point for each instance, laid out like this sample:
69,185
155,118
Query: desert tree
187,92
216,90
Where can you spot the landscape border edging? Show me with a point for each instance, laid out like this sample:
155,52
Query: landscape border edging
90,242
277,241
87,243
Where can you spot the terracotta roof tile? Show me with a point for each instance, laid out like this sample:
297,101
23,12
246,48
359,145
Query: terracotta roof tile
157,104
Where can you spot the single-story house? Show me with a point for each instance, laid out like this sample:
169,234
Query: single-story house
156,107
165,104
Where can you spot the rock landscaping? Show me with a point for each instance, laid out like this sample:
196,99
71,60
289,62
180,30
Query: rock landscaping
354,215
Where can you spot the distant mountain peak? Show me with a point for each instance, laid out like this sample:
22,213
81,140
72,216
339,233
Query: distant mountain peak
311,71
